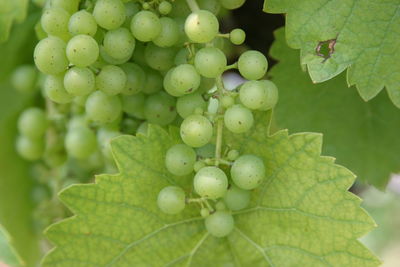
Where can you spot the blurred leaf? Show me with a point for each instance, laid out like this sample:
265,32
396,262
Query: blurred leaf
11,11
8,255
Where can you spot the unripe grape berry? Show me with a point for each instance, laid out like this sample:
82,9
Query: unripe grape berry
102,108
196,131
80,142
248,172
33,123
210,182
185,79
54,89
210,62
227,101
54,21
104,138
160,58
165,7
169,34
238,119
82,22
236,198
233,155
237,36
160,109
145,26
50,57
109,14
79,81
220,223
204,212
272,95
133,105
111,80
254,95
171,200
252,65
201,26
24,78
119,43
136,78
180,159
82,50
198,166
187,104
71,6
220,206
30,149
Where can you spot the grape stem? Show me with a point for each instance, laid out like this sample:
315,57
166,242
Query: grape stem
232,66
220,122
193,5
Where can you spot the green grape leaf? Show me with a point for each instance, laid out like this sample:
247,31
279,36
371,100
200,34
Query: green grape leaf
10,12
362,135
363,35
301,215
15,182
8,255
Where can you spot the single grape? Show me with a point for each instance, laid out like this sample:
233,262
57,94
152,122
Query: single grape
254,95
171,200
104,137
210,182
180,159
136,78
160,58
210,62
238,119
201,26
109,59
198,165
196,131
272,95
207,151
160,109
232,4
24,78
185,79
50,57
30,149
169,34
165,7
77,122
82,50
82,22
33,123
109,14
204,212
237,36
111,80
227,101
119,43
79,81
134,105
252,65
146,26
220,223
169,86
236,198
54,89
54,21
220,206
80,142
71,6
153,83
186,105
233,155
248,172
102,108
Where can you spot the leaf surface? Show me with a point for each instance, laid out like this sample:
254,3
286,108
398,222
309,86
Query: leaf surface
302,213
363,136
366,40
8,254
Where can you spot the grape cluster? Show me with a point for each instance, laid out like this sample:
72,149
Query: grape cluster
111,67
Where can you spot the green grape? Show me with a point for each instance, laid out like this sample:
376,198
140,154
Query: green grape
227,101
204,212
145,26
220,206
50,56
104,137
24,78
160,109
196,131
169,87
238,119
154,82
82,50
252,65
165,7
54,89
54,21
236,198
182,57
79,81
207,151
82,22
180,159
186,105
33,123
171,200
102,108
109,59
232,4
210,62
237,36
198,165
220,223
30,149
182,35
210,182
133,105
136,78
71,6
254,94
169,34
160,58
146,6
80,142
233,155
210,5
119,43
201,26
248,172
109,14
111,80
185,79
77,122
272,95
143,128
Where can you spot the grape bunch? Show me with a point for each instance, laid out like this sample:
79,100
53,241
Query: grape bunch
111,67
